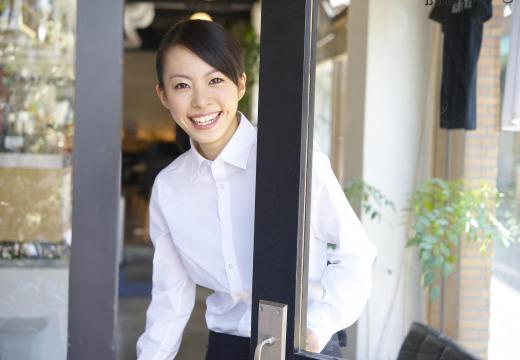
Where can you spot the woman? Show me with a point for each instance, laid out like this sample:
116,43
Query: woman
202,210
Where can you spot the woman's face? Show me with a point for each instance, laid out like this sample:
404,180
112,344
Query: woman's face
202,100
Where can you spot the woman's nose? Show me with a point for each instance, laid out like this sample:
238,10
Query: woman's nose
200,98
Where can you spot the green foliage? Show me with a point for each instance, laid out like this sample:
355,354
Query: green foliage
372,200
444,213
249,41
3,5
447,212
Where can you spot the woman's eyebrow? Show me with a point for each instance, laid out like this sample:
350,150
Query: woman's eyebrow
189,78
179,75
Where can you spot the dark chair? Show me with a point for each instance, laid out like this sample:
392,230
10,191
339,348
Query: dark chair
424,343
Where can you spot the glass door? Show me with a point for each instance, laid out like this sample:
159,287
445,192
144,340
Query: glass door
312,264
286,97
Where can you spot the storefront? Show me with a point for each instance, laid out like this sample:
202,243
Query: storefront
359,80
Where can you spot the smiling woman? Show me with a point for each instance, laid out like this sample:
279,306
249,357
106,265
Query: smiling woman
202,210
202,100
200,81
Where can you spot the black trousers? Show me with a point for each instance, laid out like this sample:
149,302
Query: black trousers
227,347
230,347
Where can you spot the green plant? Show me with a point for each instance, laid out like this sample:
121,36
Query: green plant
445,213
249,41
371,199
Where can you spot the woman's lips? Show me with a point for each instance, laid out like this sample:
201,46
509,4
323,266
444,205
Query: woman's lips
205,122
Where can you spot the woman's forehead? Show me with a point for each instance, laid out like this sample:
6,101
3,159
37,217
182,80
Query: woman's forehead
181,59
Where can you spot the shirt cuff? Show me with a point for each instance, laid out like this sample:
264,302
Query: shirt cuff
154,354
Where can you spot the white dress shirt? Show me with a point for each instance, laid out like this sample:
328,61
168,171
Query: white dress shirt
202,228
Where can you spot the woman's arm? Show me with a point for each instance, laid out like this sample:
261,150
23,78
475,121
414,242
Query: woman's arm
347,280
173,292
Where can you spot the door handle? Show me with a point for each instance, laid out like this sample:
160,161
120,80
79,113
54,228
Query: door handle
258,351
272,326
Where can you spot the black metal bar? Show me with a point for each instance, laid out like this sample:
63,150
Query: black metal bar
96,180
307,131
285,102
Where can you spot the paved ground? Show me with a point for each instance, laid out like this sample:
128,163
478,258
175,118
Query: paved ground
504,327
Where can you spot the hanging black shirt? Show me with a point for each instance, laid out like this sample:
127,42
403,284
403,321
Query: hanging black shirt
462,25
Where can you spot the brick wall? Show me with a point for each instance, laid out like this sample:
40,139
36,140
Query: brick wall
473,156
481,163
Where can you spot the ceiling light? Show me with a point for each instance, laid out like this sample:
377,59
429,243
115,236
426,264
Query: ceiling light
201,16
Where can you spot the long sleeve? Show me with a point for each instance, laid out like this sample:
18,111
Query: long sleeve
173,292
347,280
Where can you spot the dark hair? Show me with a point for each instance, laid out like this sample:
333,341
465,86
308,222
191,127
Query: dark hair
209,41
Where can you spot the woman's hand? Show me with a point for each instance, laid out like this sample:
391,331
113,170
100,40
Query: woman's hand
311,341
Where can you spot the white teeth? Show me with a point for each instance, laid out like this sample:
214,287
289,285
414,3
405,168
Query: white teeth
204,120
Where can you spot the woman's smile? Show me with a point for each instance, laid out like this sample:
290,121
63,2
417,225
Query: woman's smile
204,122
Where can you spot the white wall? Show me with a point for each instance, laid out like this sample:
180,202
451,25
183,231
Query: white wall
390,53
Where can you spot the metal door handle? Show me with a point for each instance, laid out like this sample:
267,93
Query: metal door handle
258,351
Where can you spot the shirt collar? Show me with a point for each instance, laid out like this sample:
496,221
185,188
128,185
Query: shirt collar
236,151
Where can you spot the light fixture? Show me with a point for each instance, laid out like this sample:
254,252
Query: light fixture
201,16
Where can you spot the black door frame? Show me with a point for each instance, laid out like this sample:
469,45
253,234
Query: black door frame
284,160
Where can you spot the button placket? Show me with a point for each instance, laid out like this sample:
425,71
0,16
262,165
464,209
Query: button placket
224,209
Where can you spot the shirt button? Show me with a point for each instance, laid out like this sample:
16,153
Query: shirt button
222,186
230,266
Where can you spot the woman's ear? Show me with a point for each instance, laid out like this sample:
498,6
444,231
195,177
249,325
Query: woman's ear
242,86
162,96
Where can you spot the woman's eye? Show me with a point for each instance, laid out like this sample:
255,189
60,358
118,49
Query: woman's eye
216,81
181,86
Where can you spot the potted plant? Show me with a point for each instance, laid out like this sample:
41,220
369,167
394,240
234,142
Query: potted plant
444,213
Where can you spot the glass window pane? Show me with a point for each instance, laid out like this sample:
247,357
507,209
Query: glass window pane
36,128
422,135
